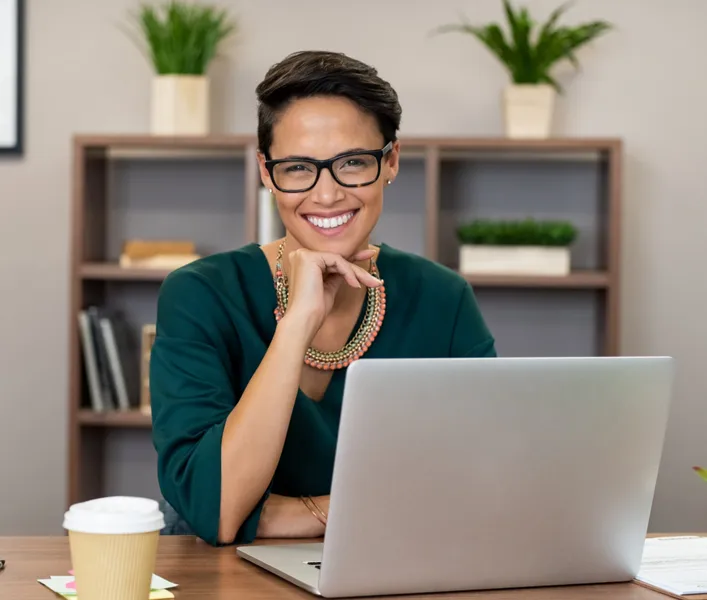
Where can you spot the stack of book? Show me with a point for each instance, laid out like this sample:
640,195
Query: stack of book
111,360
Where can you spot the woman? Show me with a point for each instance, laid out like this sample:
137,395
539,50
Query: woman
252,345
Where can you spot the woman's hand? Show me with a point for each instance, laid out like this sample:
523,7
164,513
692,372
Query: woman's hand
316,277
288,517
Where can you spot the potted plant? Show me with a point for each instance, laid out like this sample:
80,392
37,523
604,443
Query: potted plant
524,247
529,54
180,40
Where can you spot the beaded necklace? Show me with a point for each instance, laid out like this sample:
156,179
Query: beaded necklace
359,343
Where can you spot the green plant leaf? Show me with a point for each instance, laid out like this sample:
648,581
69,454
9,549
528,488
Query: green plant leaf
701,472
182,38
528,232
549,26
493,37
529,61
521,27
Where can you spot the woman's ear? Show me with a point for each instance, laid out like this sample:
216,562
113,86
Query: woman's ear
264,174
392,162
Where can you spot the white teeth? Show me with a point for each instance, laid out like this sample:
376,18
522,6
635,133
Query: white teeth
332,222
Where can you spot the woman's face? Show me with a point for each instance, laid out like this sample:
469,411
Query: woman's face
329,217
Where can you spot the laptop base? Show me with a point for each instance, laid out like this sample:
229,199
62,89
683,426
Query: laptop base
297,563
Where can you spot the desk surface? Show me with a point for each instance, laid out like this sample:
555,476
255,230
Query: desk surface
207,573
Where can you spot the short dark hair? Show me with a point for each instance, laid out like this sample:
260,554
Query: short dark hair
311,73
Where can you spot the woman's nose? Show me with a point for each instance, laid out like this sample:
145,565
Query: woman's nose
327,190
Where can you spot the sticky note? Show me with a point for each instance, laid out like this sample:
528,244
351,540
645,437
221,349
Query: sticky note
65,585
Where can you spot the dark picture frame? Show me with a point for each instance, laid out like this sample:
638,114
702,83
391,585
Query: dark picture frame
12,63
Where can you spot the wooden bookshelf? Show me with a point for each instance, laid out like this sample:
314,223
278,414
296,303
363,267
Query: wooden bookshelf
576,280
206,189
133,418
114,272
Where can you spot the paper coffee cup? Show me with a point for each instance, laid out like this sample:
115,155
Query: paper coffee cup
113,545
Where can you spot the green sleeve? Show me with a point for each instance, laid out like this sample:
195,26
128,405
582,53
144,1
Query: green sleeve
192,394
471,336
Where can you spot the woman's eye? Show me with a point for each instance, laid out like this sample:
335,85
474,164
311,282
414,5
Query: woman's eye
297,168
354,162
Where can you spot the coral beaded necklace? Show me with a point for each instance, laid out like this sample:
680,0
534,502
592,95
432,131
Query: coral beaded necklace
359,343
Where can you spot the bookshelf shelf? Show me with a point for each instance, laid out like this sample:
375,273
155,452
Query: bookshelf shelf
557,144
114,272
576,280
133,418
206,190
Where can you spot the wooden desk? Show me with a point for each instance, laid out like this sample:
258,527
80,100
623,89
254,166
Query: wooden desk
207,573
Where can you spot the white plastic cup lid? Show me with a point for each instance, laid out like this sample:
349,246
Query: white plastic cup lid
114,515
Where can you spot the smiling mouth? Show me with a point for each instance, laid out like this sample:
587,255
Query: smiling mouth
331,223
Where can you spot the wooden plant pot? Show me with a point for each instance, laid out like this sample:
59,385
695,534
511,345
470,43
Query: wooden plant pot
528,111
180,105
514,260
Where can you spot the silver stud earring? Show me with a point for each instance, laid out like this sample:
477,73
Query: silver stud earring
389,182
270,190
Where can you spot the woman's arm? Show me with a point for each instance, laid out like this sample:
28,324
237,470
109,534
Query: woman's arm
254,436
286,517
218,451
256,429
471,336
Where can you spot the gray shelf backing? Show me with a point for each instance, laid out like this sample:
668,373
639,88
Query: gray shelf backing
130,463
504,189
402,222
543,322
199,200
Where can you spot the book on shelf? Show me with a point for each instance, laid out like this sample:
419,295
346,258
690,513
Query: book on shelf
110,358
270,225
157,254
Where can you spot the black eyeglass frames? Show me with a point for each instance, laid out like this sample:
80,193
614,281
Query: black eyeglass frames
350,169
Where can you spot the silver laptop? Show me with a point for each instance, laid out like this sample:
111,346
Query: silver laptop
477,474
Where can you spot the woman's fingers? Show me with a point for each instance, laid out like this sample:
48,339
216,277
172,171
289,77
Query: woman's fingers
365,277
333,263
352,274
363,254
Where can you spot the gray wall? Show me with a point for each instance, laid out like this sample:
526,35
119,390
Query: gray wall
84,75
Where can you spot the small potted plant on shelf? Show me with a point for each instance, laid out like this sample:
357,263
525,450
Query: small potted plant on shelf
522,247
180,40
528,54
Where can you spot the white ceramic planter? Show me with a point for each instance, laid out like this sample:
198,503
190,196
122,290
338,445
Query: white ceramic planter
528,111
514,260
180,105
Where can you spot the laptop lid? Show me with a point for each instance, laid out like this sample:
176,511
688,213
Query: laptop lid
459,474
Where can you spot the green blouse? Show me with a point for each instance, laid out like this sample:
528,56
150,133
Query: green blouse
214,323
